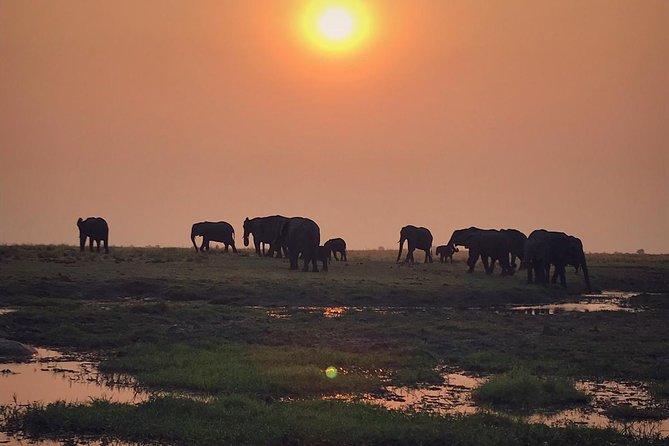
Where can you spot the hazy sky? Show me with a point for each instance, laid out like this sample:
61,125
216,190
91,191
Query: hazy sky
510,113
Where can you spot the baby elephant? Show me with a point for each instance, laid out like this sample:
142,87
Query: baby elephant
334,246
323,256
446,251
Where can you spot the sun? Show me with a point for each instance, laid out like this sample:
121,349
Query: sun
337,26
336,23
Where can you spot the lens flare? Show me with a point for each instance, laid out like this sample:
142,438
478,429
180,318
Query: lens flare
331,372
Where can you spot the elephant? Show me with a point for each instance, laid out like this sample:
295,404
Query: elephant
517,244
417,238
334,246
445,252
219,231
265,230
462,237
545,248
96,230
492,246
301,236
575,258
324,256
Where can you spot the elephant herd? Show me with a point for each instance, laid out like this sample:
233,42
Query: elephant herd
299,237
537,253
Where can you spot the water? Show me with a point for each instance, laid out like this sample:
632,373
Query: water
454,397
52,376
606,301
15,441
286,312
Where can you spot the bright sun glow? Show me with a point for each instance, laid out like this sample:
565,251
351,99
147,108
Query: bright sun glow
336,23
337,26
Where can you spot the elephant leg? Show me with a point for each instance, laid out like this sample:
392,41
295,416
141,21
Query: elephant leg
529,273
226,247
471,261
428,256
334,253
90,244
343,256
410,255
561,273
555,276
488,266
257,246
540,272
234,250
97,246
314,262
293,260
106,247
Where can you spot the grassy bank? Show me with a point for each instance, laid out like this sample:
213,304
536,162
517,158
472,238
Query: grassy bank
520,390
243,421
249,332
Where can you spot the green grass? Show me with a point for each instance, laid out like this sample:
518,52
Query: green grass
260,371
518,389
660,389
178,320
628,412
237,420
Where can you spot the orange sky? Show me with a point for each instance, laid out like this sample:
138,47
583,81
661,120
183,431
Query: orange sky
156,114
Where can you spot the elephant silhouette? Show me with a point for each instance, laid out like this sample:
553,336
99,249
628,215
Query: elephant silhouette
96,229
301,236
219,231
445,252
551,248
492,246
334,246
265,230
416,238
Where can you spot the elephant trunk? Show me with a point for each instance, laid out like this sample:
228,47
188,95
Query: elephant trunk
401,242
586,276
192,239
246,239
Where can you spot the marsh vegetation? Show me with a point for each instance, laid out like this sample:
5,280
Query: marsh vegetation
185,323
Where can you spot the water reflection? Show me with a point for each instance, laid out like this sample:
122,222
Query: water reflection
455,397
52,376
285,312
605,301
16,441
